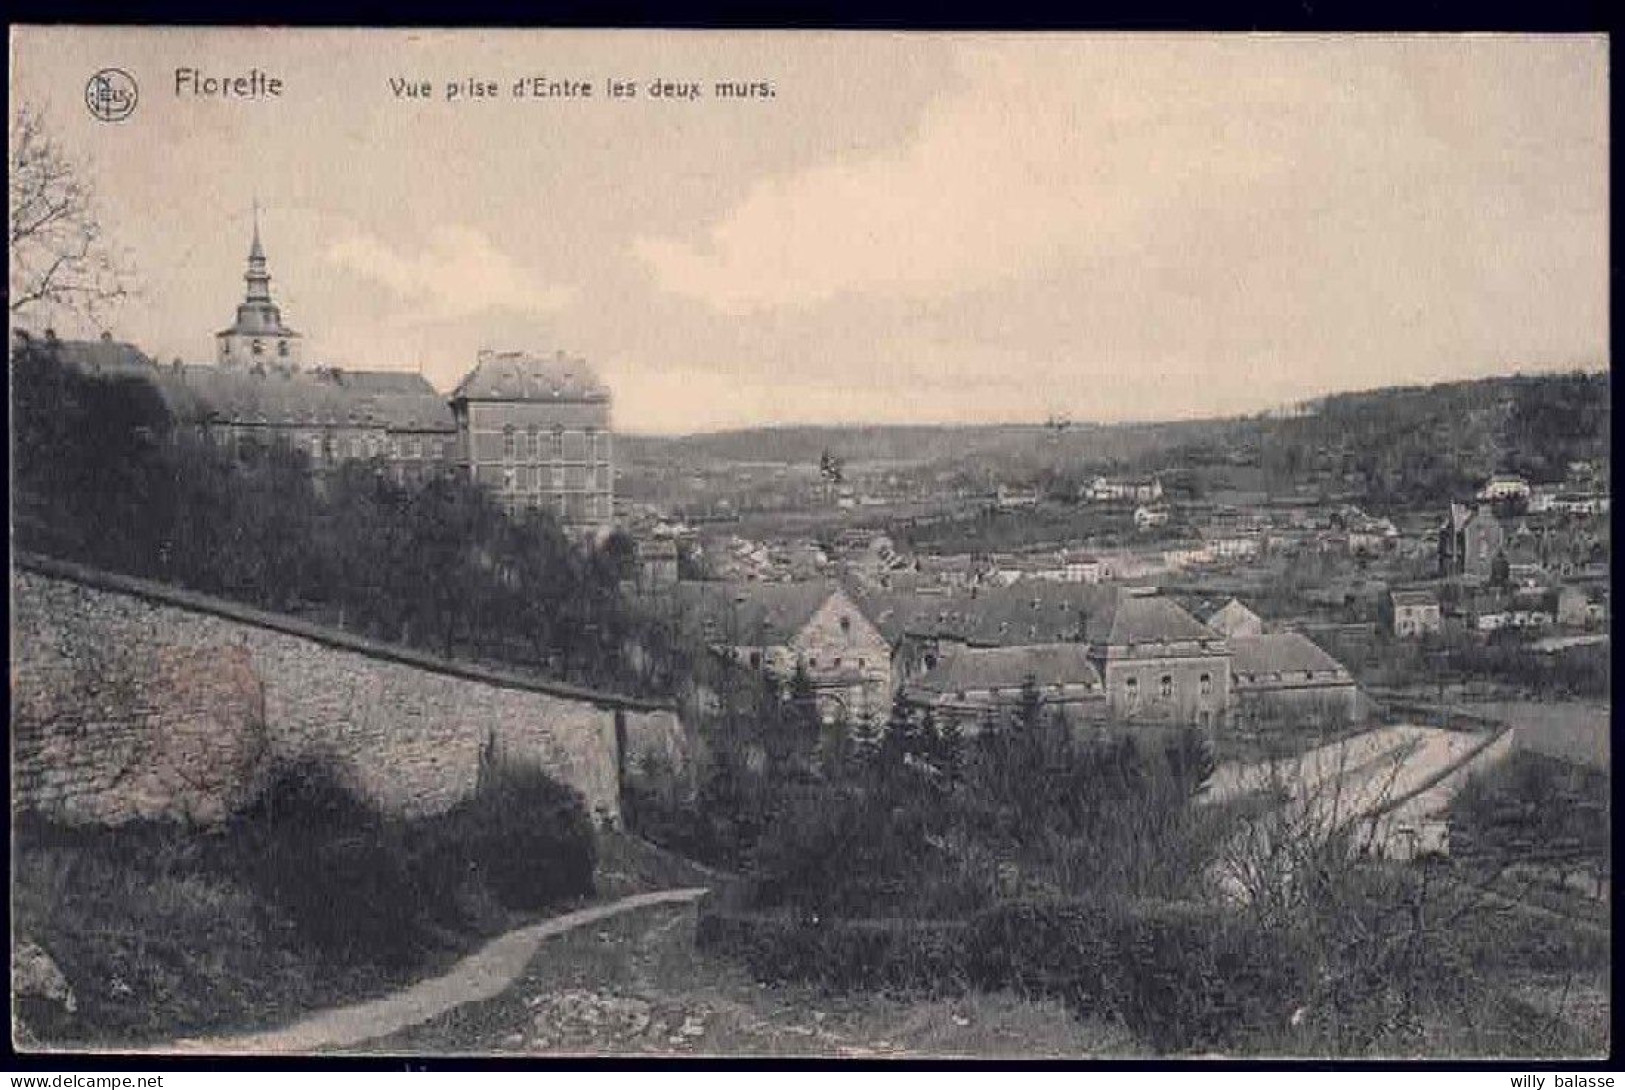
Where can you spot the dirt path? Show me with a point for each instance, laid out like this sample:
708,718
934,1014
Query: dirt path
480,976
637,985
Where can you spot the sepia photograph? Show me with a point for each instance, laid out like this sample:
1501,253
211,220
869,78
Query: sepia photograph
698,545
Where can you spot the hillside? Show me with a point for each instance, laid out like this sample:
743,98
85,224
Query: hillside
1397,446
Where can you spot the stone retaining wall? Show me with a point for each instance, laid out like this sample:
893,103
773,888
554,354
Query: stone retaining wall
132,700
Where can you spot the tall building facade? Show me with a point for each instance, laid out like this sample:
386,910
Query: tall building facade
536,431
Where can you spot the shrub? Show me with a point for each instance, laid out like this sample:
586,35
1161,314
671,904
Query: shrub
524,834
334,864
1180,975
903,955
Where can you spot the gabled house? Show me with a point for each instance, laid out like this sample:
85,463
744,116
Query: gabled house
1469,541
1412,613
816,626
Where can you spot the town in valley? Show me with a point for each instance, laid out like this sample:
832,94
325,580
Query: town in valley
468,705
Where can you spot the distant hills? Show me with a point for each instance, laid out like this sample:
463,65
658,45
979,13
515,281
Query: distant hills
1395,446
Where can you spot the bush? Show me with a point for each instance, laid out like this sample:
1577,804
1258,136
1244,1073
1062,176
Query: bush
1180,975
524,834
913,956
334,864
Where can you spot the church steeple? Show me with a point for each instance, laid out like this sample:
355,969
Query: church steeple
258,278
258,337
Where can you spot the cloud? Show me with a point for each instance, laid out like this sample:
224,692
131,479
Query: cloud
1008,175
459,273
1376,170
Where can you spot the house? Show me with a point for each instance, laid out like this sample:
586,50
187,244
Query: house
1008,498
657,563
1581,503
1504,487
1371,536
817,627
969,684
1234,546
1469,541
1285,676
1576,608
1187,554
1159,664
1235,619
1146,517
1138,490
1412,613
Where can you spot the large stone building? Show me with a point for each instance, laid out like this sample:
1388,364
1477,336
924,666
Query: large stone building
534,429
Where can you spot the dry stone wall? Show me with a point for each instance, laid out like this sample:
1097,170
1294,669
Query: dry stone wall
132,700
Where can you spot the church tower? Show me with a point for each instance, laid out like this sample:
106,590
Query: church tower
258,335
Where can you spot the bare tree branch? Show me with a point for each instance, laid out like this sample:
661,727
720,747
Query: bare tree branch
61,260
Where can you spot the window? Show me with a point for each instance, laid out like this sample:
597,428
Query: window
846,623
258,347
282,348
1206,681
756,658
507,442
558,443
415,447
1131,690
533,443
1165,687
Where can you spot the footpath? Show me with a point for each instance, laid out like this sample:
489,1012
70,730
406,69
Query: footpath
482,975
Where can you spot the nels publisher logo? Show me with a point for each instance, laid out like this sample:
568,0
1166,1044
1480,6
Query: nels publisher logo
110,95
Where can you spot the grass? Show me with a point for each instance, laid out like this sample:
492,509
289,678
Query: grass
164,932
573,997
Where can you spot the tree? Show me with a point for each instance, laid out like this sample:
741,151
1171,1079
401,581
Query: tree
61,259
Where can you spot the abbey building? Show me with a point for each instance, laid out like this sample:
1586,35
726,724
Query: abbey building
533,428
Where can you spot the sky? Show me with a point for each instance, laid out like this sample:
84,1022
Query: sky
914,228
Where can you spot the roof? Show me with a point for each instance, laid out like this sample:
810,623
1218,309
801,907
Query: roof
1130,619
520,376
1279,653
753,614
1414,597
1232,616
206,393
1023,613
1034,613
989,668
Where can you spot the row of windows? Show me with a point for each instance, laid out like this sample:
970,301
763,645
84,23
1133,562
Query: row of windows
532,444
558,479
577,507
329,447
1165,687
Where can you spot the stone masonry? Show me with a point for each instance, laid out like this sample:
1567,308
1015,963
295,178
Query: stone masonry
131,700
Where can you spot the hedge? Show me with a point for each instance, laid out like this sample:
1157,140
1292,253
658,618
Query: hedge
1181,976
902,955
